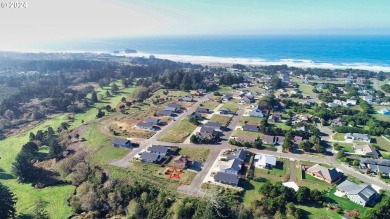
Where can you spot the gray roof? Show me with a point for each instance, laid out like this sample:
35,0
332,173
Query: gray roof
207,129
202,110
152,120
227,177
252,128
365,192
168,108
120,141
175,105
254,113
240,154
149,156
236,165
159,149
214,125
145,124
164,112
380,162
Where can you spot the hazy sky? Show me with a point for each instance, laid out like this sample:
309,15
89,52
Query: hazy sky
45,20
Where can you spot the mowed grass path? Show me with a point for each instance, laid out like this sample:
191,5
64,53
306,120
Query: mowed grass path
56,196
179,132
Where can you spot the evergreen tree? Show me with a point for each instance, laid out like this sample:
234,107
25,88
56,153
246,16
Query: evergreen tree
94,97
7,202
22,168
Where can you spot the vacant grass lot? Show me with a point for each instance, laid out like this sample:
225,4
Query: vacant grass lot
211,105
347,147
179,132
251,193
339,136
279,173
250,120
237,133
281,125
199,154
382,143
232,107
224,120
319,212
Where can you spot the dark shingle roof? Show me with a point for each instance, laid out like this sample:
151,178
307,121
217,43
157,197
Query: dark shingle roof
214,125
149,156
120,141
227,177
152,120
164,112
207,129
253,128
202,110
159,149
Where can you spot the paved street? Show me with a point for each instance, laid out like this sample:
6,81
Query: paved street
195,189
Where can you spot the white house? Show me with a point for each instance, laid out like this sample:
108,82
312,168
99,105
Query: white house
357,137
265,161
366,150
360,194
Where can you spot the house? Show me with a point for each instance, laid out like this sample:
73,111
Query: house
366,150
182,162
232,166
276,117
338,122
377,165
358,137
279,140
195,115
248,99
199,92
121,142
250,128
320,86
203,110
265,161
239,154
384,111
325,174
368,98
297,140
154,121
225,111
295,91
206,135
360,194
164,113
172,109
332,105
226,97
159,149
257,114
214,125
351,102
150,157
227,178
178,107
268,139
246,139
146,126
207,129
186,99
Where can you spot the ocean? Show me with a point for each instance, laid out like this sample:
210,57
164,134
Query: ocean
364,52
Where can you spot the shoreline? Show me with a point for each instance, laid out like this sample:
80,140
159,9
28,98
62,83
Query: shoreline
228,61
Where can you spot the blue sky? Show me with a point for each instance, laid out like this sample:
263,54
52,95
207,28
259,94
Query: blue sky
47,20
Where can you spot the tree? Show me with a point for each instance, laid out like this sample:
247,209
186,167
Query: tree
108,93
288,145
319,148
55,149
39,211
315,195
276,83
94,97
100,114
7,202
22,168
303,194
114,89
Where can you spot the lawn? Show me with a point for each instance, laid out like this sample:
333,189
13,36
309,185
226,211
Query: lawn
250,120
211,105
224,120
280,125
339,137
179,132
200,154
251,193
311,184
347,147
309,177
344,203
246,133
155,175
279,173
55,196
232,107
319,212
382,143
307,89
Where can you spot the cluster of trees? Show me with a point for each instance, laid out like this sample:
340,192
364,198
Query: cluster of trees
381,210
386,88
7,202
180,80
280,200
257,144
209,140
229,79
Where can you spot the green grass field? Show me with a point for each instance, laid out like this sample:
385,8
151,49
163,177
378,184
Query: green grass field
311,184
246,133
280,125
179,132
200,154
276,174
251,193
211,105
250,120
382,143
224,120
55,196
339,137
232,107
307,89
319,212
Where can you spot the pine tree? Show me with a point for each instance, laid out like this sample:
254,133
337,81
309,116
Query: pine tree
94,97
7,202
